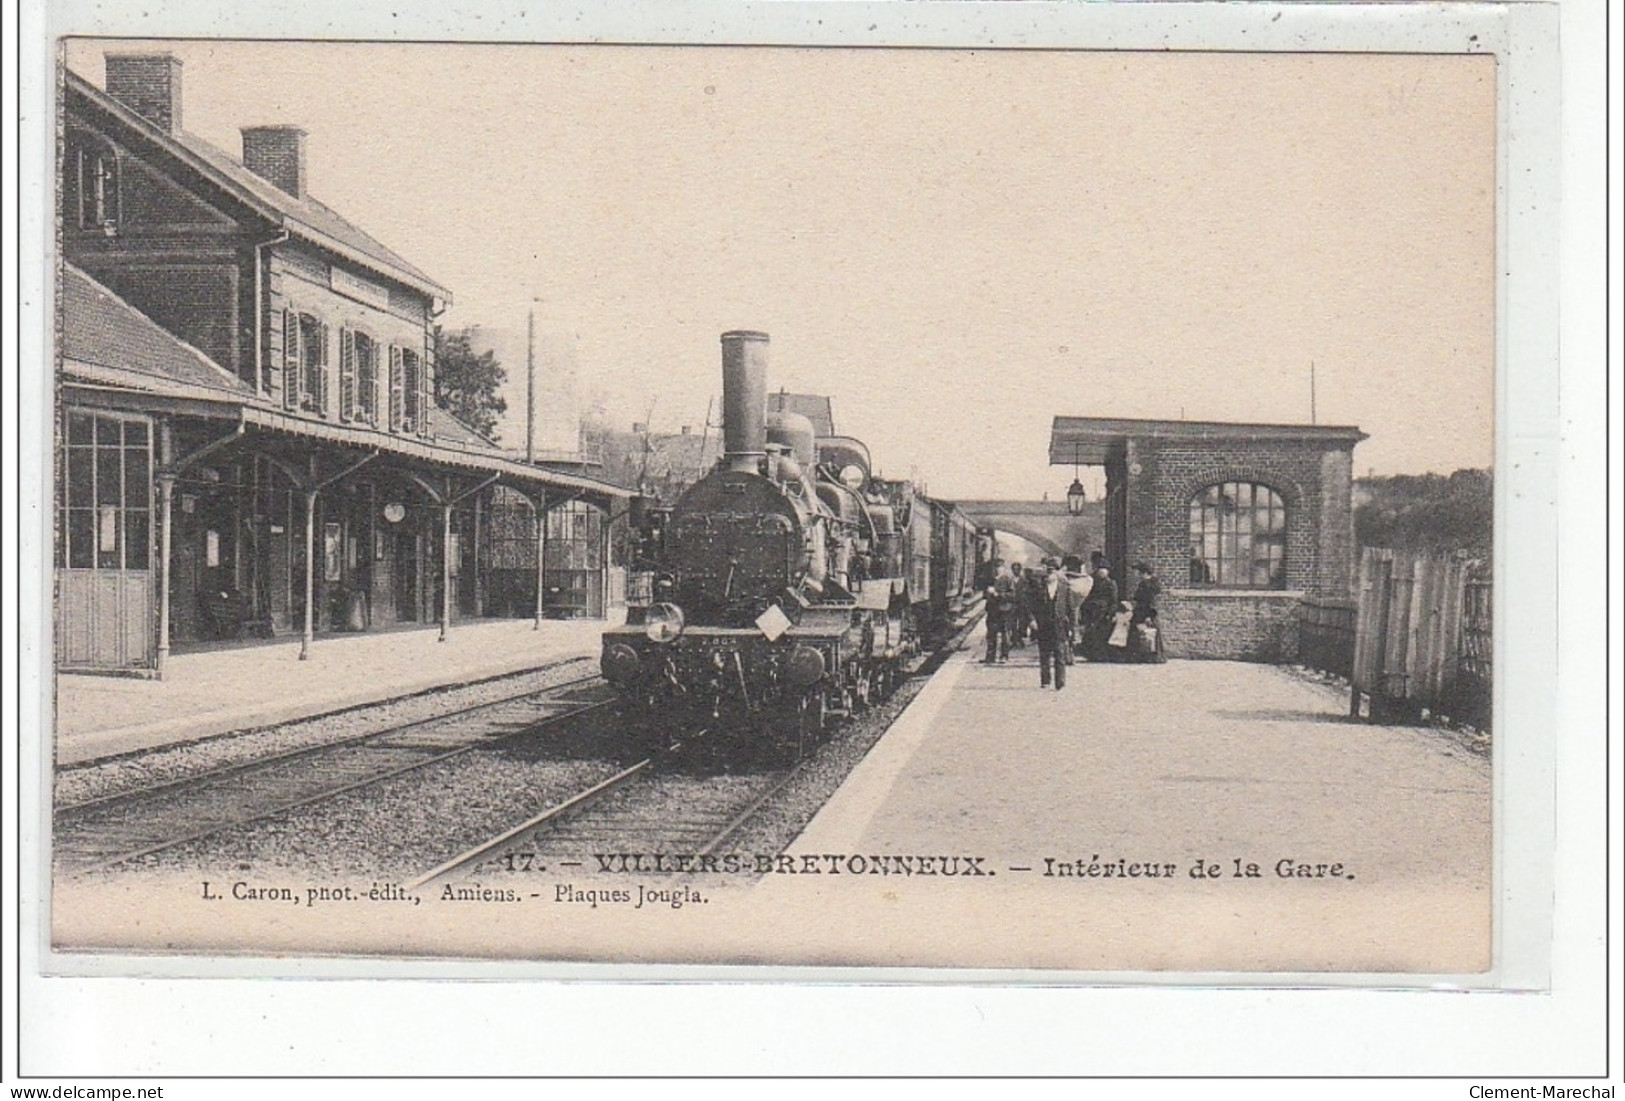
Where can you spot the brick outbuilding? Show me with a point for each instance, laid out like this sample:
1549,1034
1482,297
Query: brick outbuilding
1242,523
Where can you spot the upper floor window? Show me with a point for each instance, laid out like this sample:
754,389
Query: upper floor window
304,374
96,176
358,377
406,385
1238,536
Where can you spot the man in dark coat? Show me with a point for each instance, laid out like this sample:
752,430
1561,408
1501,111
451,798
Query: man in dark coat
1053,621
1000,600
1099,607
1019,622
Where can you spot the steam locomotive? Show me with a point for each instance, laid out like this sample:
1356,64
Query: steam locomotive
788,585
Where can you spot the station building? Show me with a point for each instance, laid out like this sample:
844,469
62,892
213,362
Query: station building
247,437
1247,526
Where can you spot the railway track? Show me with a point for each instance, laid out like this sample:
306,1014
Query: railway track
644,809
665,808
129,825
638,809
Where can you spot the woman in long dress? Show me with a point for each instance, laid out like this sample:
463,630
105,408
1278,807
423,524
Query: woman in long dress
1145,616
1095,617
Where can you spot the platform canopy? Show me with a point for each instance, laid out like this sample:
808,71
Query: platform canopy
1098,440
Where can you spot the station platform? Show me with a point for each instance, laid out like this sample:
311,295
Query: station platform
243,687
1093,805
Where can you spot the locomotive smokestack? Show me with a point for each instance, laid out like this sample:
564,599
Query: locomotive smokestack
744,399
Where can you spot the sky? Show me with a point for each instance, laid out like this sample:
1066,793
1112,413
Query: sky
955,245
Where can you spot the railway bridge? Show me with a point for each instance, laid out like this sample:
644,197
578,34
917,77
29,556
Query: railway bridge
1047,524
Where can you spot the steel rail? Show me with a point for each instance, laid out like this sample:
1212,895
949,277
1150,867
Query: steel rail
283,807
69,811
552,814
744,816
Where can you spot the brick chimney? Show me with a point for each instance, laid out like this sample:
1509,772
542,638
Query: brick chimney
276,154
148,84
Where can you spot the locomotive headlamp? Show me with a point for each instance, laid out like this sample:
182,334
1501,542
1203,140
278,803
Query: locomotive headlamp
663,623
852,476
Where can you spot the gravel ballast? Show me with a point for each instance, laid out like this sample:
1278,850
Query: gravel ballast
401,827
131,772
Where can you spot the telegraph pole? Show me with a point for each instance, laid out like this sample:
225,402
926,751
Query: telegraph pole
1312,392
530,387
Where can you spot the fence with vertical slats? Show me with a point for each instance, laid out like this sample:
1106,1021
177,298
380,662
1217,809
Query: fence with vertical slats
1326,631
1423,638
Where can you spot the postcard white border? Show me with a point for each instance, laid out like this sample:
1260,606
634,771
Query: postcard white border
1533,456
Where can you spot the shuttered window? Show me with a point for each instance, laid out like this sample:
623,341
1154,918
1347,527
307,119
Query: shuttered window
426,397
366,379
412,383
290,359
397,391
97,178
347,374
314,396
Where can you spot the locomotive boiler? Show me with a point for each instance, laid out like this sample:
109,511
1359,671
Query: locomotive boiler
786,586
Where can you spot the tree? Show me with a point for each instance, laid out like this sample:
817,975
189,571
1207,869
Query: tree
1428,512
466,383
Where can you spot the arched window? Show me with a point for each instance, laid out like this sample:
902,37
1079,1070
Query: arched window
1238,537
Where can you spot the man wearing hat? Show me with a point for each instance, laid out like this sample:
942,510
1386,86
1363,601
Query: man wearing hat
1000,595
1054,618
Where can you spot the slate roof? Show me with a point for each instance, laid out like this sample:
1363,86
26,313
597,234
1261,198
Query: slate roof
108,342
106,339
306,218
448,429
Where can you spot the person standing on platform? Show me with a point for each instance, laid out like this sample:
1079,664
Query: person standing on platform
985,573
1076,578
1145,638
999,596
1034,597
1079,581
1021,608
1098,609
1052,628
